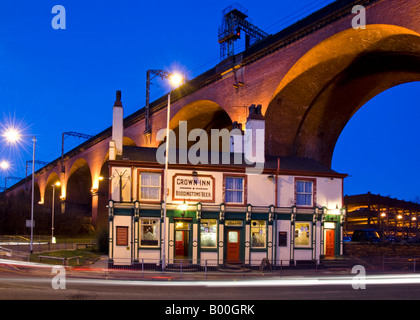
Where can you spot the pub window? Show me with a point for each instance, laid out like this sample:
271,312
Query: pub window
302,234
208,233
304,193
258,234
149,232
234,190
150,186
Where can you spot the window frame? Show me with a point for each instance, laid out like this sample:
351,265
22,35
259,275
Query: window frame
244,190
161,186
265,234
141,219
310,230
313,198
217,233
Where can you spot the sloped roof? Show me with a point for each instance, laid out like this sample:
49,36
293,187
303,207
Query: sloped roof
286,164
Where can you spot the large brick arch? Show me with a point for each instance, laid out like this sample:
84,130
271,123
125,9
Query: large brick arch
201,114
323,90
127,141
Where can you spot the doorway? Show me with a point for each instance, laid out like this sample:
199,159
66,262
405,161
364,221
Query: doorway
182,239
233,246
329,242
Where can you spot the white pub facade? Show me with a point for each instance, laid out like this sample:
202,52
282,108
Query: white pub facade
220,214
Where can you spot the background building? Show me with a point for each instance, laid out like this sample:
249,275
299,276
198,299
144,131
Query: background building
391,217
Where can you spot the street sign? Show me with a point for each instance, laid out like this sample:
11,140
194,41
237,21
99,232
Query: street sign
29,224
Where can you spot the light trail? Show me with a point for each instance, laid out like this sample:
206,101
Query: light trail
285,281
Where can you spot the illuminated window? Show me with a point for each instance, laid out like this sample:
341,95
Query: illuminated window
149,232
258,234
234,190
208,233
150,186
303,234
304,193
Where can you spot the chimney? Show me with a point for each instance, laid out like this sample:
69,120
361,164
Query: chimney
116,144
254,140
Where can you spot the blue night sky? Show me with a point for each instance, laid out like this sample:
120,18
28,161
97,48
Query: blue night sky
55,81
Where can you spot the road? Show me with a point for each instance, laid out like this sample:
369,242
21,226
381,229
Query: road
22,284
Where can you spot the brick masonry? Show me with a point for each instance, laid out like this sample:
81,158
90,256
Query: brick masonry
380,250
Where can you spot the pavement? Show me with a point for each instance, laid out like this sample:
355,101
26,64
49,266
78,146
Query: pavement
100,269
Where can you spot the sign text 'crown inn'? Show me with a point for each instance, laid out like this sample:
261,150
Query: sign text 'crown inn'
193,187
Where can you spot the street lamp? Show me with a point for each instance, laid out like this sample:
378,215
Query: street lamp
4,165
57,184
175,80
12,135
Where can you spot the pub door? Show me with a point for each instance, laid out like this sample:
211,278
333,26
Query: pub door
181,244
233,246
329,242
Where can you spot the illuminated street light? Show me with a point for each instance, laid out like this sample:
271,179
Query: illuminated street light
4,165
13,135
175,79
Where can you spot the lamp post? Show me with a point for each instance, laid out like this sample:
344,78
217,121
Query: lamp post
175,80
57,184
4,166
12,135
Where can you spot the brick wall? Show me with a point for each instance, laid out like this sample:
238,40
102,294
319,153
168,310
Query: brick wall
379,250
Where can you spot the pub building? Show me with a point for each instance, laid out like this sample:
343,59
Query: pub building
220,214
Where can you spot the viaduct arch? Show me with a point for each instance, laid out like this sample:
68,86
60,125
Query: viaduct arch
326,87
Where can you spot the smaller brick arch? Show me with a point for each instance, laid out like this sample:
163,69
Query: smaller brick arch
78,188
52,179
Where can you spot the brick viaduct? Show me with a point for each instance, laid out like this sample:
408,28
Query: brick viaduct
309,79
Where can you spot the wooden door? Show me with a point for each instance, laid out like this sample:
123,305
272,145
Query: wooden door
180,243
233,246
329,242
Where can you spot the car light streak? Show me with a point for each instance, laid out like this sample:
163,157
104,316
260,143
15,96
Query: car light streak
304,281
381,279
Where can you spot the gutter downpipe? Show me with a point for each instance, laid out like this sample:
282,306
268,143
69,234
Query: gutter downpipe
274,254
